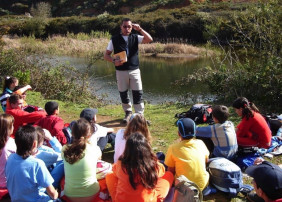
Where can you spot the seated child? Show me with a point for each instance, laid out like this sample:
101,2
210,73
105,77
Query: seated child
253,130
7,144
267,181
52,122
102,135
80,162
22,117
50,156
26,175
138,176
222,133
20,90
9,85
137,123
189,156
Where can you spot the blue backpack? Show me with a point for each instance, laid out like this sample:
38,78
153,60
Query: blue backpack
225,175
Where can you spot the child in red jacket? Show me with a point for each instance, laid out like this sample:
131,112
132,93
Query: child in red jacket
53,122
253,129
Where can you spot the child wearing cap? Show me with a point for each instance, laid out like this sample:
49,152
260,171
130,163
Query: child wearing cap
267,181
102,135
53,122
189,156
222,133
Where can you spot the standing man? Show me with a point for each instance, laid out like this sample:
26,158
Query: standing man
128,73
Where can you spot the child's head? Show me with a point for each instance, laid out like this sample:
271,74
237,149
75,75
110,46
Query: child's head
139,124
89,114
81,131
26,141
6,128
244,108
220,113
23,94
16,101
52,108
10,83
267,180
186,128
40,135
138,156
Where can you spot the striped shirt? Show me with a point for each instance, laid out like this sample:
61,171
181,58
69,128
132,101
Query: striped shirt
3,99
223,137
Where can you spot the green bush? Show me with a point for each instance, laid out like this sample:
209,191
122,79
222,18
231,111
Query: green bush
254,70
59,82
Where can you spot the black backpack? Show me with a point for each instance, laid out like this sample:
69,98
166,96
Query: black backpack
273,122
200,113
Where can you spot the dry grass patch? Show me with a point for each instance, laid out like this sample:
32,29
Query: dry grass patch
180,50
88,46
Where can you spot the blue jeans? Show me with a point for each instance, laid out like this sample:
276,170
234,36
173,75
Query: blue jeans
58,173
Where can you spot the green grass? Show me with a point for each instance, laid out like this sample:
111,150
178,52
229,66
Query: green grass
163,129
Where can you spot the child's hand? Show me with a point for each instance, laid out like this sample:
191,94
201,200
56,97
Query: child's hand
47,134
258,161
28,87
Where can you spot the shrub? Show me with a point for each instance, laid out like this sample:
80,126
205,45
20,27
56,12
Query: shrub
41,10
59,82
254,70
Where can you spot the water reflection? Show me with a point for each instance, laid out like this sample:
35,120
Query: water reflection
158,76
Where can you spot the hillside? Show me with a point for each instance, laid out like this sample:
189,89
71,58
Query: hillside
93,7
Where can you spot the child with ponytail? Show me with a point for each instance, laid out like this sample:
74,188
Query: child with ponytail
253,129
80,161
9,85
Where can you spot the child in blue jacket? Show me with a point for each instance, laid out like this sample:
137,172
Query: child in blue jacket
222,133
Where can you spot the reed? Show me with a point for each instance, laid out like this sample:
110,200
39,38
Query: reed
85,45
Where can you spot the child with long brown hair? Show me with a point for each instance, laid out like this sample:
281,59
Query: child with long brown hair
137,123
137,175
253,129
80,160
7,144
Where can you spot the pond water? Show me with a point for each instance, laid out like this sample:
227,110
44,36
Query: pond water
158,77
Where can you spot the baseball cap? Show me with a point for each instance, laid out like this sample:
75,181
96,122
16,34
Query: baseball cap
186,127
88,114
268,177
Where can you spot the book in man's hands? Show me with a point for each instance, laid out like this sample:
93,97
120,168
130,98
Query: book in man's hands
121,56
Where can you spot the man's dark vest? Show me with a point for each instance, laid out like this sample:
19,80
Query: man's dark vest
120,45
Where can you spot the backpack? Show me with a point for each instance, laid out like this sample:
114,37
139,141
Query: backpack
186,190
273,122
200,113
225,175
67,132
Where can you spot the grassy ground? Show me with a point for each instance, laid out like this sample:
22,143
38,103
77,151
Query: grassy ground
163,129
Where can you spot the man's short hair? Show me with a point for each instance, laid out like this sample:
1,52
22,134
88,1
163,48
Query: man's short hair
220,112
24,138
51,107
125,20
13,99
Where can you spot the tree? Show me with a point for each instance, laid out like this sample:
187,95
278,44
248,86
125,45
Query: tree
251,65
41,10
